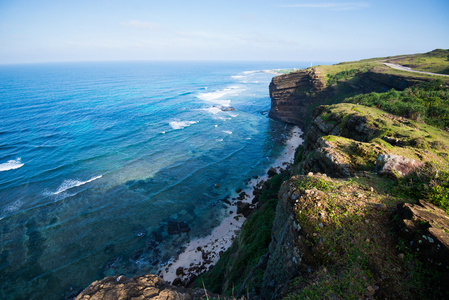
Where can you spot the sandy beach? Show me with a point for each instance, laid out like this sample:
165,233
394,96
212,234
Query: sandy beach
201,254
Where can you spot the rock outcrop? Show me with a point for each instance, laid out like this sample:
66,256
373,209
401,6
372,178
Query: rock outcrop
395,166
426,227
295,95
144,287
285,248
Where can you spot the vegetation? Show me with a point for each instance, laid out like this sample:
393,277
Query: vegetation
237,262
428,102
343,75
352,249
430,183
354,246
436,61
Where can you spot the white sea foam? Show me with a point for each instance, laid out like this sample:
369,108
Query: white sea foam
224,119
14,207
218,95
227,131
11,165
71,183
213,110
250,72
181,124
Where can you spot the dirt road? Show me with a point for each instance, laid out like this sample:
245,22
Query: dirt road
402,68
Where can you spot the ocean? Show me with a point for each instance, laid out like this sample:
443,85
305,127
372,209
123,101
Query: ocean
110,168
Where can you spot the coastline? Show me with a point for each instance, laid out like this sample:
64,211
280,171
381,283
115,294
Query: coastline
201,254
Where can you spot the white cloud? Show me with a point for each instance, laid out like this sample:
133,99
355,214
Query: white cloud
332,5
142,25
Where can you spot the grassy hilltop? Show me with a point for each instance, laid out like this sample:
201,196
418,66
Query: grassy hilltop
344,217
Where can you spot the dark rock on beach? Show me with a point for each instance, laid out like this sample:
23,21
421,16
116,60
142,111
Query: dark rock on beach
271,172
244,208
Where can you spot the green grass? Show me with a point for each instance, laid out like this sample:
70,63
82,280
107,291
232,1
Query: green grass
436,61
237,262
355,249
428,102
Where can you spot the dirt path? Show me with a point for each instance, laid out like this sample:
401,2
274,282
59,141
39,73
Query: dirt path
402,68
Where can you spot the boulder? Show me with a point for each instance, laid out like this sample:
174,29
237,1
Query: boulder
395,166
244,208
271,172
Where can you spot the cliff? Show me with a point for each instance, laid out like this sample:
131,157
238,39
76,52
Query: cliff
345,223
354,214
362,213
295,95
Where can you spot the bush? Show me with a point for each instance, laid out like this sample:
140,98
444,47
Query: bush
428,102
430,183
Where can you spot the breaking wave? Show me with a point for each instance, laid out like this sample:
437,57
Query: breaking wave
71,183
11,165
181,124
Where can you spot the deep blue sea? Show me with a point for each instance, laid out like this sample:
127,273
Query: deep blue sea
97,158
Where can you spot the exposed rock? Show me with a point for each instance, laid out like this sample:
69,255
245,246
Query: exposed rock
427,228
284,251
229,108
290,95
294,94
144,287
394,166
244,208
357,124
332,161
271,172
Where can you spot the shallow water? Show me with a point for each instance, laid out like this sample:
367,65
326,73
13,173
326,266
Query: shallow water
98,160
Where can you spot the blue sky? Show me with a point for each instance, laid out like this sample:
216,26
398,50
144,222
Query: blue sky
283,30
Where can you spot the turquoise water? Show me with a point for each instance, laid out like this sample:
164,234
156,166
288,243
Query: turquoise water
98,159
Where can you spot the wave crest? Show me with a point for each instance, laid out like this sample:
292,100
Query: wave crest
181,124
71,183
11,165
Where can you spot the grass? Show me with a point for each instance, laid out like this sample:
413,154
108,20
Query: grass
236,263
428,102
354,250
436,61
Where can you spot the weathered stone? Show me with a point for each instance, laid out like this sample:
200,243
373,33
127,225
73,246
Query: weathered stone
290,95
244,208
426,227
333,161
143,287
271,172
395,166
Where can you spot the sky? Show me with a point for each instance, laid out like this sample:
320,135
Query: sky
35,31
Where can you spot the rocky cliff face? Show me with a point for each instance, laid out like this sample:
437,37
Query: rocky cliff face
295,95
292,94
